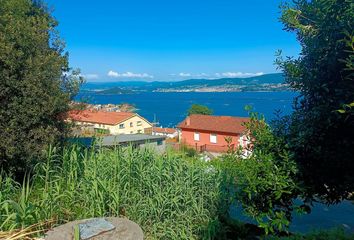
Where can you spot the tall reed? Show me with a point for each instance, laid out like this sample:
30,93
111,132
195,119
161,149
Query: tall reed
169,195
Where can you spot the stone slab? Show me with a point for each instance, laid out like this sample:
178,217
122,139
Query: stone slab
124,230
94,227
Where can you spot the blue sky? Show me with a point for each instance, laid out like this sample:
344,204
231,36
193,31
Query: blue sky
116,40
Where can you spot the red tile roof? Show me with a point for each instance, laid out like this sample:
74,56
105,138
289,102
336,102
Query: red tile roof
109,118
225,124
164,130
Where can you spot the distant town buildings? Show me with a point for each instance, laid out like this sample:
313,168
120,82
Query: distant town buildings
110,123
167,132
123,107
214,133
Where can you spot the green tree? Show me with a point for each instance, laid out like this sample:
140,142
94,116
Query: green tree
199,109
265,182
36,83
320,136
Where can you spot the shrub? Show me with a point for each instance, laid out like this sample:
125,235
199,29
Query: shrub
264,183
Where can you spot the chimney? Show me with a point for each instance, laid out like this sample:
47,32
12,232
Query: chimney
188,121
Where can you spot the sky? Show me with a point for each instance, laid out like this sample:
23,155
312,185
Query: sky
168,40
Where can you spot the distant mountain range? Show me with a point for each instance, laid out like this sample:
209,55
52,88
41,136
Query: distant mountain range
266,82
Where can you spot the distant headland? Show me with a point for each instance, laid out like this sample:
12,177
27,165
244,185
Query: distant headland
265,83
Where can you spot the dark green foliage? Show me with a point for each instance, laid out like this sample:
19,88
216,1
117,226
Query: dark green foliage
266,180
199,109
35,83
265,183
320,136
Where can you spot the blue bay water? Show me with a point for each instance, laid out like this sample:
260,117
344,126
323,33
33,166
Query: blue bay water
171,108
322,217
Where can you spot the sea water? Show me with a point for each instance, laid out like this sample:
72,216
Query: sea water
170,108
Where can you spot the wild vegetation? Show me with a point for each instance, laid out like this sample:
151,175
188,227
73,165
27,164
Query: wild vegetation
264,183
307,155
170,196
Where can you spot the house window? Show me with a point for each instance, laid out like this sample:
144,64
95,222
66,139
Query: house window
213,138
121,126
139,123
139,131
131,124
196,136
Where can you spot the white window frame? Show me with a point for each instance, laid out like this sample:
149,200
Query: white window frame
213,138
196,136
121,126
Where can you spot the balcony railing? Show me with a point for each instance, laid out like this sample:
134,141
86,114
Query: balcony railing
207,147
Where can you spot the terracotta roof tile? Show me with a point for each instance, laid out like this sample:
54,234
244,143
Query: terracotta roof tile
164,130
109,118
225,124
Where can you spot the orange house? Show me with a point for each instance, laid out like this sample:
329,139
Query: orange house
209,133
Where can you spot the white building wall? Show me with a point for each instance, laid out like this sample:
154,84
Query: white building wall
133,125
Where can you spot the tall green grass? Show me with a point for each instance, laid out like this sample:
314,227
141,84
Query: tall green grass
169,196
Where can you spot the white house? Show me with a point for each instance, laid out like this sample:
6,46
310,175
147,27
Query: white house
110,122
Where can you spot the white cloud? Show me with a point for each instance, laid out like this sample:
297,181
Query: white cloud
185,74
238,74
90,76
188,75
114,74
